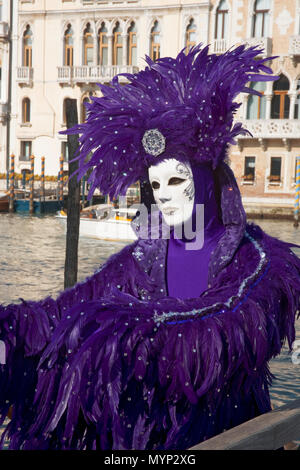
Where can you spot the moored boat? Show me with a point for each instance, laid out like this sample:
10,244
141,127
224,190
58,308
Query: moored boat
4,202
104,222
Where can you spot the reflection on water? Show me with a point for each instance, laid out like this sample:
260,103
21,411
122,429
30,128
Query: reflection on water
32,252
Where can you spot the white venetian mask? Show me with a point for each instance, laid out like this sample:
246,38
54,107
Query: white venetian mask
173,188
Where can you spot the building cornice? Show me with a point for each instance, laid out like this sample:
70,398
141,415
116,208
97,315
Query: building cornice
124,9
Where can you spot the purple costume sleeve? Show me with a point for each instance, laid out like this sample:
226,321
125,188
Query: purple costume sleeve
27,328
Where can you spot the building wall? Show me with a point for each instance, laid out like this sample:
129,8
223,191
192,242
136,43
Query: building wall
48,20
47,89
4,63
272,137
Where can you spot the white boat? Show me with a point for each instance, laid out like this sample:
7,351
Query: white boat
104,222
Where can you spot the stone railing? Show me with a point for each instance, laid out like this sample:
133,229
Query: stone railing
25,75
272,128
219,46
107,2
262,43
294,45
93,73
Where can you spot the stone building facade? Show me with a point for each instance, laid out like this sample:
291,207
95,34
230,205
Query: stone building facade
265,164
6,33
64,47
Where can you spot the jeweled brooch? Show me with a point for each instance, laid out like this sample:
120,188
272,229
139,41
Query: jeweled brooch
154,142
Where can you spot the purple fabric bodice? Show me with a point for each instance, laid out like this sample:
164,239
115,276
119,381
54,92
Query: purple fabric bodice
187,270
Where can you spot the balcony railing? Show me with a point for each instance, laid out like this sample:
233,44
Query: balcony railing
93,73
25,75
24,159
219,46
294,46
4,30
263,43
272,128
107,2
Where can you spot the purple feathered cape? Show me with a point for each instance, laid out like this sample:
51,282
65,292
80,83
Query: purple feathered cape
114,363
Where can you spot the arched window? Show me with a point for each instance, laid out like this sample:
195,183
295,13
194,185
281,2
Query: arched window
260,27
256,107
117,45
132,45
83,109
221,20
280,105
297,102
103,45
88,44
68,46
26,110
155,41
190,35
27,47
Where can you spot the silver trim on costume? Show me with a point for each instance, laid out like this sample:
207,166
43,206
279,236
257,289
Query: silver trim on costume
160,318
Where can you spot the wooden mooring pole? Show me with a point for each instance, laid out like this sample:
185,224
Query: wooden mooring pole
73,206
43,179
61,180
297,195
83,191
12,184
31,185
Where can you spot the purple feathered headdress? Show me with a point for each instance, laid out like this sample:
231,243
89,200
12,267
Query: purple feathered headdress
182,108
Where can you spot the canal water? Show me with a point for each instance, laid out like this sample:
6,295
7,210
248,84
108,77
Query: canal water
32,252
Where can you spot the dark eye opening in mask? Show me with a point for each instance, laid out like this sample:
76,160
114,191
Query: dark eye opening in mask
175,181
155,185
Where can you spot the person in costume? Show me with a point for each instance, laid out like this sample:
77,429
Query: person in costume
165,345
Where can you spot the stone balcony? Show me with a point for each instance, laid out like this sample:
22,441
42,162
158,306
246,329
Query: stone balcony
92,74
108,2
219,46
25,76
4,31
262,43
263,129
